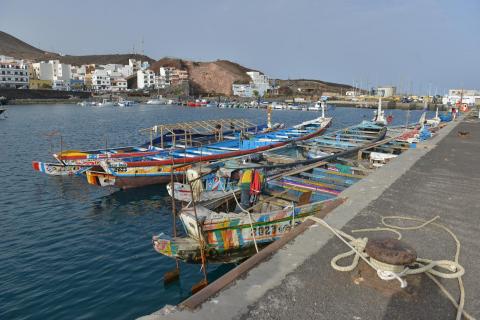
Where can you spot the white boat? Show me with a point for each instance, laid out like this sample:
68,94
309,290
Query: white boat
106,103
126,103
157,101
379,159
434,122
379,114
87,103
315,107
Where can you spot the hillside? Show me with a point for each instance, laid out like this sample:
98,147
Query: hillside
103,59
310,87
11,46
214,77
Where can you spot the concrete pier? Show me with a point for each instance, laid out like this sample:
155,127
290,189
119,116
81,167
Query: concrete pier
441,177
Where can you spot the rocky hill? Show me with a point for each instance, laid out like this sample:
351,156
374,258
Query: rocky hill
214,77
310,87
11,46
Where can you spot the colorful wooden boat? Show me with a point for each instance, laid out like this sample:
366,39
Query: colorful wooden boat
171,137
229,237
327,147
127,173
57,169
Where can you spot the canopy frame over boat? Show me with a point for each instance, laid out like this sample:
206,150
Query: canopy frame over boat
185,130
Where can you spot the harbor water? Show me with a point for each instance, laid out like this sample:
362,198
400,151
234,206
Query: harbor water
69,250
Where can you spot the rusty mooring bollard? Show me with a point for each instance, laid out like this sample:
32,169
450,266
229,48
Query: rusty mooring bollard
391,251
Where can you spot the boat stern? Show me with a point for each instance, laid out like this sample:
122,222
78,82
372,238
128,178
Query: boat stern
100,179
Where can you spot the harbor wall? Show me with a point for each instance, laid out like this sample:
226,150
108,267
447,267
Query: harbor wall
38,96
388,105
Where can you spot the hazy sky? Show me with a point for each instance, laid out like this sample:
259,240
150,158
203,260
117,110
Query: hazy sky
420,44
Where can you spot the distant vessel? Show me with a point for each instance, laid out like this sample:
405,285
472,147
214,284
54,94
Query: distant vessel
126,103
87,103
157,101
197,103
106,103
379,114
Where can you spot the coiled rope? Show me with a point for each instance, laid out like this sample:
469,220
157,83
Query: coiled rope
390,272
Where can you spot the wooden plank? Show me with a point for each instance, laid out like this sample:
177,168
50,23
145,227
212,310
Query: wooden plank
295,171
215,287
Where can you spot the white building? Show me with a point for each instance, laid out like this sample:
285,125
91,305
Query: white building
259,83
145,79
78,73
52,70
135,65
386,91
464,92
6,58
119,84
125,71
13,74
101,80
468,100
242,90
60,85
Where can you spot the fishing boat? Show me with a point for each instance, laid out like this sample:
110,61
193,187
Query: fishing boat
230,233
232,237
229,236
106,103
216,186
162,138
128,174
87,103
126,103
379,114
157,101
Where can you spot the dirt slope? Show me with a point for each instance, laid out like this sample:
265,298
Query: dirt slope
14,47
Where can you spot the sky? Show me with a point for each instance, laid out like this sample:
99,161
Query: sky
420,46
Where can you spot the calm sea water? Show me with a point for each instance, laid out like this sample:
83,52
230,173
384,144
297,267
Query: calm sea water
69,250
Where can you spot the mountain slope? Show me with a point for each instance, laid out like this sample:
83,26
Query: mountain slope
214,77
11,46
14,47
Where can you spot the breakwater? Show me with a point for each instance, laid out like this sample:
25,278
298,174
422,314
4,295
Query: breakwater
33,96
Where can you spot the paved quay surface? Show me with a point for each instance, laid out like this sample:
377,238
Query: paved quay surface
441,177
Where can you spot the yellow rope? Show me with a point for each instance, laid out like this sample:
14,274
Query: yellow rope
390,272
